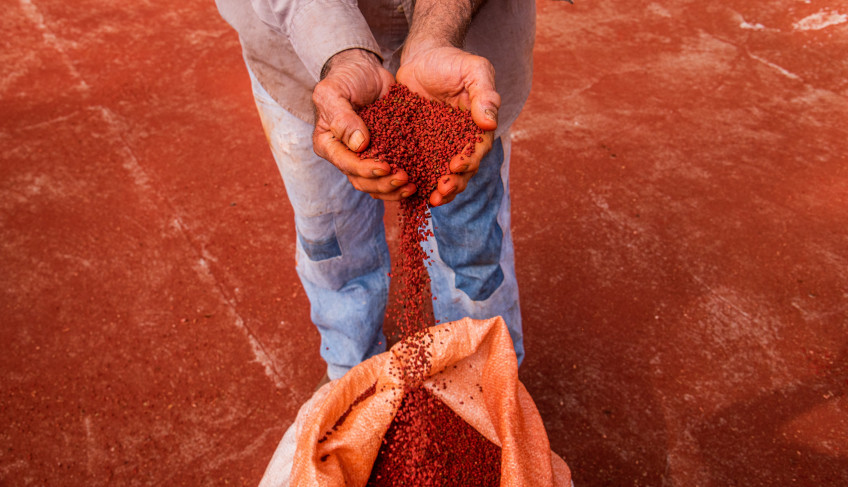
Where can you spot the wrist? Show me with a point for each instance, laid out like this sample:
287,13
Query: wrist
438,24
413,49
352,55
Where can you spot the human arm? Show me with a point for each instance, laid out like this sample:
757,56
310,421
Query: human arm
434,66
353,79
333,41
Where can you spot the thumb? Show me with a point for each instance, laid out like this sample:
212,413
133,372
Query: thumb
484,114
349,128
485,101
337,114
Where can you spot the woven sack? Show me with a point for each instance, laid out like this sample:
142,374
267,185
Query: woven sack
468,354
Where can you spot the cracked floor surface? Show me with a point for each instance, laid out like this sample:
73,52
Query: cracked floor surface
680,199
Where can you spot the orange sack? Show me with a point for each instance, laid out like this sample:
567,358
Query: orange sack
467,355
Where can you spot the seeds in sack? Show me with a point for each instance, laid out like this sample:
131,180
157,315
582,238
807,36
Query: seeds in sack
427,443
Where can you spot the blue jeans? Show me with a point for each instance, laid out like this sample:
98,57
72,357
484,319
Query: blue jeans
342,256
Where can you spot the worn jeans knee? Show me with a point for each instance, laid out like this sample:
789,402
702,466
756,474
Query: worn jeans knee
473,261
468,234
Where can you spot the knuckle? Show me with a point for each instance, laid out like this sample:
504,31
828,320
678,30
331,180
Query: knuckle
320,90
387,188
318,96
319,148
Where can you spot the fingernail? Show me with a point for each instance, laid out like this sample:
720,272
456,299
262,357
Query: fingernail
396,183
379,172
356,141
491,114
462,168
405,194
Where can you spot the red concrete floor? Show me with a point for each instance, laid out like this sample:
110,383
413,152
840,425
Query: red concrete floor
680,217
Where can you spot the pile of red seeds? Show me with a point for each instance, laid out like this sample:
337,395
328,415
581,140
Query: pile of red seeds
427,443
420,137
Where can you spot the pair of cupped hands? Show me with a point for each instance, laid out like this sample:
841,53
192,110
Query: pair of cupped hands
355,77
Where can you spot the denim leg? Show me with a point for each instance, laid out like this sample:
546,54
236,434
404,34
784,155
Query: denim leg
341,251
473,262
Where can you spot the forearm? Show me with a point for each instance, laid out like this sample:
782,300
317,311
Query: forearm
439,23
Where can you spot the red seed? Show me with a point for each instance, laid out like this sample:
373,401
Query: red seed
420,137
429,444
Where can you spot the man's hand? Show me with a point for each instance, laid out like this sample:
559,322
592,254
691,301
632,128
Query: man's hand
353,79
464,80
434,66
